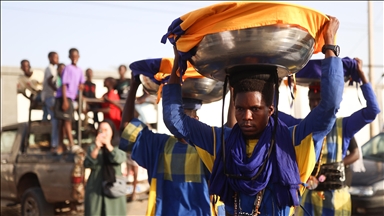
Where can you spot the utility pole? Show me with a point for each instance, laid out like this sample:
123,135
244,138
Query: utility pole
371,75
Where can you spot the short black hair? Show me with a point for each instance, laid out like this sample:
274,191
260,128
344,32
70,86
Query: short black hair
51,53
61,64
123,67
73,50
248,78
111,80
25,60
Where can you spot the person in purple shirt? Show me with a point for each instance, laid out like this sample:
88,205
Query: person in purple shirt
72,80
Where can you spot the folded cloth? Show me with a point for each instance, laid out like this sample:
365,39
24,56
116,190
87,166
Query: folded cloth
188,30
159,69
312,72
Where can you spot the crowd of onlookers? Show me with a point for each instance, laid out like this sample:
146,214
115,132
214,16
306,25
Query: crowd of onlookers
56,91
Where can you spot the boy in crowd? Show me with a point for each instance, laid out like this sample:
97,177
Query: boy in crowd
72,80
31,80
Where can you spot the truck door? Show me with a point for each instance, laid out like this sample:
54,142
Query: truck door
9,149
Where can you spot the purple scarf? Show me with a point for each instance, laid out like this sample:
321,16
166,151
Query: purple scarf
281,169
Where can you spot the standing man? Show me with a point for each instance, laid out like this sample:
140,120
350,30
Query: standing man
122,84
71,80
177,175
259,165
90,92
48,97
330,196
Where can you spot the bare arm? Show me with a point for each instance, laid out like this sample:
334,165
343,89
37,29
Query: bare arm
174,78
129,106
114,102
65,105
354,153
51,83
352,157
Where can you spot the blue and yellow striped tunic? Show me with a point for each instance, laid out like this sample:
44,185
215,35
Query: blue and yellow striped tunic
178,178
307,136
338,202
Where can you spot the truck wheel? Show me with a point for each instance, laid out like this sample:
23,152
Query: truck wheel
33,203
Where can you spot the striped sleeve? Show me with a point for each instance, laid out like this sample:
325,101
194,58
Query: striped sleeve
130,134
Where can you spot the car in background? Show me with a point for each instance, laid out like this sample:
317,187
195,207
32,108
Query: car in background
367,188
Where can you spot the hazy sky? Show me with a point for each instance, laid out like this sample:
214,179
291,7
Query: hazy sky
108,34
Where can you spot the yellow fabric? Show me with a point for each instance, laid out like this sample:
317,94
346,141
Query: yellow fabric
306,159
343,198
192,166
250,146
166,66
151,207
339,128
168,149
131,132
206,157
241,15
214,208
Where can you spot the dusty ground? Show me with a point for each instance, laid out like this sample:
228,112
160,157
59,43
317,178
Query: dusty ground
135,208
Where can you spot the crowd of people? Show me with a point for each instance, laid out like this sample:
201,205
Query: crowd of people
56,91
261,162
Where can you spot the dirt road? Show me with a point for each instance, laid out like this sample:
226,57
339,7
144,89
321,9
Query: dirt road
135,208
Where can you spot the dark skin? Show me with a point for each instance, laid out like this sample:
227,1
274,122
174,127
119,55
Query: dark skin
26,68
122,72
109,85
315,98
89,74
54,60
252,113
67,125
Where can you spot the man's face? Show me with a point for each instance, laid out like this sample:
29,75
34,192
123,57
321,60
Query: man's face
60,69
251,113
314,99
122,71
74,56
25,67
89,73
54,59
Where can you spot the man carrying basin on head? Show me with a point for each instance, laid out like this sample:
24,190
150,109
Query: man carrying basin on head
261,164
329,194
177,175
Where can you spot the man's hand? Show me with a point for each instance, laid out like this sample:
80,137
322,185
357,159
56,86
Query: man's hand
65,105
135,79
330,30
360,71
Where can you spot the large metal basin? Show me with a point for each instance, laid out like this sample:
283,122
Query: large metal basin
205,89
287,46
150,86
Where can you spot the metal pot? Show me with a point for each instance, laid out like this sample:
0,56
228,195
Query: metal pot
287,46
206,89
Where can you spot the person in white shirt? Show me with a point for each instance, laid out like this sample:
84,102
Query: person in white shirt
31,80
48,92
48,98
